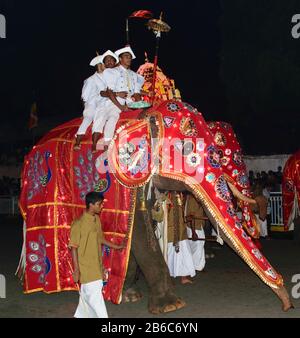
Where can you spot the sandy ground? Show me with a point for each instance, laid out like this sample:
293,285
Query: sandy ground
227,287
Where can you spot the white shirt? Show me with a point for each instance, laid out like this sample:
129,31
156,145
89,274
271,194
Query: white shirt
120,79
92,88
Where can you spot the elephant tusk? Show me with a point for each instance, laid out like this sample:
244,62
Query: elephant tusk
239,195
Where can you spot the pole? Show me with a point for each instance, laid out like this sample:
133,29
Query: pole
127,32
155,64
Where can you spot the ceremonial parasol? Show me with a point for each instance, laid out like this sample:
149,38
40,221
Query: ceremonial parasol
158,26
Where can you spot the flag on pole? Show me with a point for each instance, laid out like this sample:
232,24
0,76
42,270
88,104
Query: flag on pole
142,13
33,118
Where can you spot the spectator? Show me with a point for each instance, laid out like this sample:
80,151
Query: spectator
278,175
260,209
251,177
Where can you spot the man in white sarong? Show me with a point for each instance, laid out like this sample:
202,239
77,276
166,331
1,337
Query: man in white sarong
180,257
195,213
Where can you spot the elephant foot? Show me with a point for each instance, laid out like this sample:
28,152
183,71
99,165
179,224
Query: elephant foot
165,304
284,297
131,296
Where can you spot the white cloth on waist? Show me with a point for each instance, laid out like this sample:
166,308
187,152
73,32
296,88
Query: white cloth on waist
91,301
181,263
263,226
197,249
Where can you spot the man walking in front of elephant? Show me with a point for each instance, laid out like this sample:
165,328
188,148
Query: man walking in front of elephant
85,243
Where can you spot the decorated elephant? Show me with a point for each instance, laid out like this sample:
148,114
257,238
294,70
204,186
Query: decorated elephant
170,147
291,191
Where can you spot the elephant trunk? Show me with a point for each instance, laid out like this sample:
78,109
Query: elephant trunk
239,195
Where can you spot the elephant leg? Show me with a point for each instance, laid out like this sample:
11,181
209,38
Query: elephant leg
149,258
131,292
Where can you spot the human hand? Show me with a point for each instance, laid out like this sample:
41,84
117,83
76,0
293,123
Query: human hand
124,107
136,97
122,95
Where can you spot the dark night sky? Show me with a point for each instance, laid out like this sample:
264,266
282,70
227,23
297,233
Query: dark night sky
50,43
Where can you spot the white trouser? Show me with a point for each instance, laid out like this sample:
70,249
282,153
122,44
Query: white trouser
91,302
88,117
106,118
263,226
197,249
181,263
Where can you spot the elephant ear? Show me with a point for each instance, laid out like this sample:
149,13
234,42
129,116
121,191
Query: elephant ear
130,154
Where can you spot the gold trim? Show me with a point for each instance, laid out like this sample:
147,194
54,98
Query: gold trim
131,219
48,227
109,233
56,204
23,213
58,287
27,292
75,206
116,211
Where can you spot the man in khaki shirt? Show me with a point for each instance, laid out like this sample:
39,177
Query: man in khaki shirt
85,242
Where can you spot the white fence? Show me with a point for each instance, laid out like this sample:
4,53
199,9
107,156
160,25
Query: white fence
275,205
9,205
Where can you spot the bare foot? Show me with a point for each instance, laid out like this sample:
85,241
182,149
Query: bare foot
186,280
77,147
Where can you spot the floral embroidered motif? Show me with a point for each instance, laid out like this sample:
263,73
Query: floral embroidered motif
188,127
210,177
184,147
211,125
190,108
225,125
168,121
213,157
173,107
230,210
220,139
221,188
237,158
193,159
242,179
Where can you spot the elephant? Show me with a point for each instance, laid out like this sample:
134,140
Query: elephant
170,147
291,192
